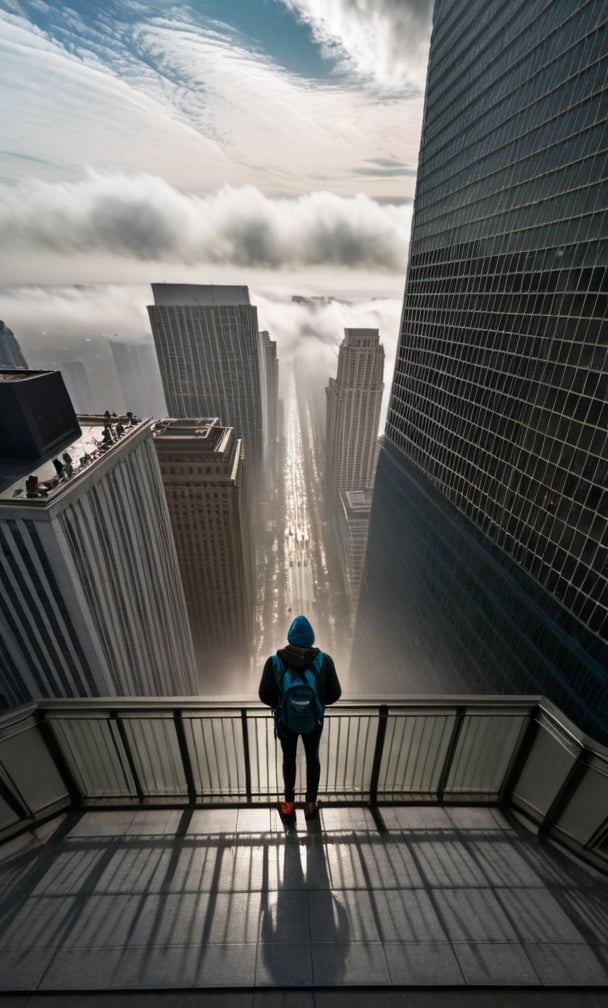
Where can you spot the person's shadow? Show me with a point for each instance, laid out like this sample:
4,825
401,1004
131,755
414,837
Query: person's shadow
306,914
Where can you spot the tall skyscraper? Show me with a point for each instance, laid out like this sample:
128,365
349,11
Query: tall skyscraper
11,355
354,399
204,477
271,369
91,599
487,561
139,378
352,527
211,357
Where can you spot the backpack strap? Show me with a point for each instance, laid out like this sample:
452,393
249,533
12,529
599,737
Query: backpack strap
278,666
317,662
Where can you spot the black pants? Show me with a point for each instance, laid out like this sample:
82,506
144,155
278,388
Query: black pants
289,746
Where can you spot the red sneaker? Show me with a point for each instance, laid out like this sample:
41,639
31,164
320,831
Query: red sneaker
311,810
287,808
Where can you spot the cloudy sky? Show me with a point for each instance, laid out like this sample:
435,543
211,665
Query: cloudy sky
267,142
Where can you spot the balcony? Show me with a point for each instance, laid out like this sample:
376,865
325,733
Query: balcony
462,845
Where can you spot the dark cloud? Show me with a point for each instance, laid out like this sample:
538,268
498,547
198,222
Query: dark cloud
142,217
383,168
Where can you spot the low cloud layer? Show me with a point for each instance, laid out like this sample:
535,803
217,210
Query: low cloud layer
65,323
309,334
142,217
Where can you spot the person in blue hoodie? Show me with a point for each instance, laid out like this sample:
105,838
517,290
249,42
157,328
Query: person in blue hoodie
300,655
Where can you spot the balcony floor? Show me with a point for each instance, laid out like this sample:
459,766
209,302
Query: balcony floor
458,899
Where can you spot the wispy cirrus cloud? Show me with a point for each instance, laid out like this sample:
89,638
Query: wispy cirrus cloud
63,107
142,217
141,132
161,87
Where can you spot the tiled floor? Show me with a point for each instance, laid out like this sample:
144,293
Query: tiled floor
225,899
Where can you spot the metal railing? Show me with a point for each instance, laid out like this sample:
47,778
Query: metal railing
514,752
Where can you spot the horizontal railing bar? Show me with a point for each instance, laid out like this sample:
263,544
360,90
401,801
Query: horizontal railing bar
417,705
431,700
430,740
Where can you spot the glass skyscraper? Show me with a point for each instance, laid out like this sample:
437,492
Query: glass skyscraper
487,563
11,355
354,400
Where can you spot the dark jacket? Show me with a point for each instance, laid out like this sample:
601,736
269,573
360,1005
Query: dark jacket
300,658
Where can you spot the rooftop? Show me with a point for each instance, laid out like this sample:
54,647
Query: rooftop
358,500
353,336
42,481
208,429
204,295
17,375
204,441
197,426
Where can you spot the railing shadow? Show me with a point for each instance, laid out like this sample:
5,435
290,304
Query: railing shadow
159,898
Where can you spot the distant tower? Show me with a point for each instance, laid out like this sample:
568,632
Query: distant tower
204,477
91,600
211,357
77,383
487,560
354,399
139,378
351,535
272,401
11,355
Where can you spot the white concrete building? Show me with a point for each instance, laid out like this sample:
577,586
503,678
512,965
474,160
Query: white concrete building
91,596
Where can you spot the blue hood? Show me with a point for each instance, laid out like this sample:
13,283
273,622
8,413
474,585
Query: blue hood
301,633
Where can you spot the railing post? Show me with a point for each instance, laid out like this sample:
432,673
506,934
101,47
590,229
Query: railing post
56,753
14,802
378,751
449,756
567,789
600,835
122,732
185,755
246,754
519,758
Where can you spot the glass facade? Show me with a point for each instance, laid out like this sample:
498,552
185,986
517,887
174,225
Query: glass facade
211,357
354,400
499,407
